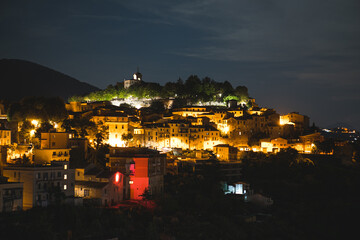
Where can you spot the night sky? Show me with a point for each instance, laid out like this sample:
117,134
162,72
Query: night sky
299,55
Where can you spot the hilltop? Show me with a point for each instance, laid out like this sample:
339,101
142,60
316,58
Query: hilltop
22,78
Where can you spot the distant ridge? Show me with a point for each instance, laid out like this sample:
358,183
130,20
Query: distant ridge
20,78
340,124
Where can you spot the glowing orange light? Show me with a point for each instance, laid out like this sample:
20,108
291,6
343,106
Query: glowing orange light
117,177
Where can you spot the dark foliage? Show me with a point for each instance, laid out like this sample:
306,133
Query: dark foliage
191,91
45,109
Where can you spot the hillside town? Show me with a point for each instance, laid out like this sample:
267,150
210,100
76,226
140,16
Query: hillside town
129,150
135,151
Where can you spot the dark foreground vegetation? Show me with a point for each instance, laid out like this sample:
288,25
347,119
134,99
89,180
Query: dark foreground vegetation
314,198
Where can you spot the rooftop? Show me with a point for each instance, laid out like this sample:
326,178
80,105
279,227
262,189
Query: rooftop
132,152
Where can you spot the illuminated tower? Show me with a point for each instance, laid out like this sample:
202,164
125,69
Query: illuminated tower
137,77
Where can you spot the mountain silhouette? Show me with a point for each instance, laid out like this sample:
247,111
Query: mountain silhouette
20,78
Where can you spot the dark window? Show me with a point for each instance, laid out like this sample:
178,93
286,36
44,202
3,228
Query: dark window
86,192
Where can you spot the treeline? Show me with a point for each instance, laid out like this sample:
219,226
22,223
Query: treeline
193,88
41,108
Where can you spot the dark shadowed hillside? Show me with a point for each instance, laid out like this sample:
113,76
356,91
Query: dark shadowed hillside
21,78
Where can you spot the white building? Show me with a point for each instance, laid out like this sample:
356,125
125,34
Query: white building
137,77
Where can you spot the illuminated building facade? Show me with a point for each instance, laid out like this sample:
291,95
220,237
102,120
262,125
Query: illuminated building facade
180,134
118,124
42,182
273,145
195,111
225,152
5,137
54,146
300,122
137,77
144,168
309,140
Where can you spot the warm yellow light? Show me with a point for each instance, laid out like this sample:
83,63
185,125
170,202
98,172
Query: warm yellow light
32,133
35,122
114,142
285,121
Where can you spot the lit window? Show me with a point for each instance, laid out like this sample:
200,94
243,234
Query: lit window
65,166
65,176
65,187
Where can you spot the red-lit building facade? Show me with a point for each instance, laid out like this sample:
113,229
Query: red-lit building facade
143,167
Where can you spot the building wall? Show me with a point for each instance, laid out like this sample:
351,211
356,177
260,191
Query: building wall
5,137
225,153
39,182
109,194
53,140
190,111
11,196
49,155
116,130
273,145
146,171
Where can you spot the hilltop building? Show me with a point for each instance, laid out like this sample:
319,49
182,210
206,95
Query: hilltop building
137,77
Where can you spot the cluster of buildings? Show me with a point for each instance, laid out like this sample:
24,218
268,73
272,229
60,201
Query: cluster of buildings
143,145
200,127
46,175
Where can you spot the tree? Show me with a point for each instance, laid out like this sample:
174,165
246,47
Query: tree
127,138
157,106
242,93
42,108
327,146
44,127
299,160
24,133
97,133
146,195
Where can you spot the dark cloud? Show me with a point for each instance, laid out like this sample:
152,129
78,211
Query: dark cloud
293,55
